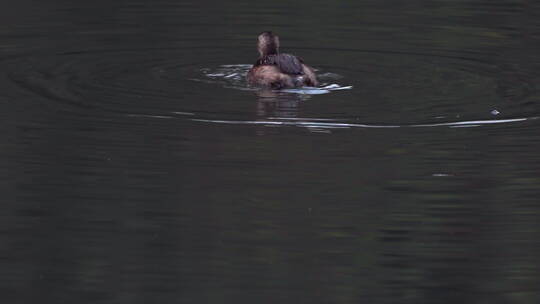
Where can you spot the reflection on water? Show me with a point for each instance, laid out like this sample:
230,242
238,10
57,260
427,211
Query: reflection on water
278,104
138,166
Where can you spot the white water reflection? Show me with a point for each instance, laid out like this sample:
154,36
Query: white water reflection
234,76
320,123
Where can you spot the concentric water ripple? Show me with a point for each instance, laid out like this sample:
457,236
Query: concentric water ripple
389,86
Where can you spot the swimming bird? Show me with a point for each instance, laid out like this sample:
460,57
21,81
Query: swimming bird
278,70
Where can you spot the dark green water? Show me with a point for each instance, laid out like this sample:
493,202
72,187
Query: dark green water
137,167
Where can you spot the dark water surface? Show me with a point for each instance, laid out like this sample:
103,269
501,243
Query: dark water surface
137,167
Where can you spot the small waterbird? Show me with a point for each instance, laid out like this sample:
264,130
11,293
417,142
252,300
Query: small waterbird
278,70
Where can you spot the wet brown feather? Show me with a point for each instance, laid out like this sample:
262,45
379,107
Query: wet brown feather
287,63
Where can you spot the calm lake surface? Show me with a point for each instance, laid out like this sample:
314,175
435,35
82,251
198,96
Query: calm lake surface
138,167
